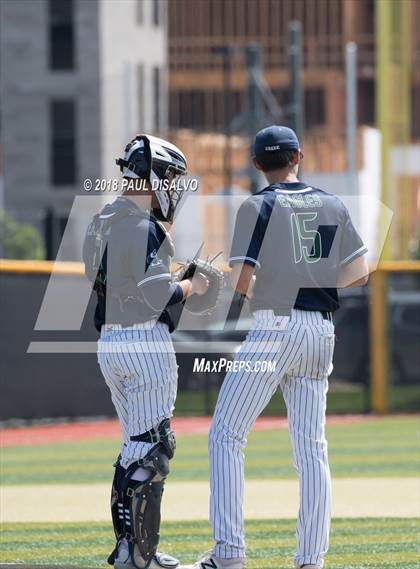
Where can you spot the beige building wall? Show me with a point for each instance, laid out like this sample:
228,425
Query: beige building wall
132,46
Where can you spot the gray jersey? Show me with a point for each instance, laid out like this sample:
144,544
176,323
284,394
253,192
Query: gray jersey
297,237
134,268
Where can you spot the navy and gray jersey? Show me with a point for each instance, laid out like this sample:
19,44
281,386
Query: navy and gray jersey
136,262
297,237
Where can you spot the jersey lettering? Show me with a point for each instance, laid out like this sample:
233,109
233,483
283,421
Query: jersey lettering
302,235
299,201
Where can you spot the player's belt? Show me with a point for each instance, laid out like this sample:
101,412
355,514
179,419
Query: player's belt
146,325
324,313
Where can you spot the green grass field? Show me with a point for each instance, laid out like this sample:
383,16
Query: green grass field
379,448
386,447
343,397
356,544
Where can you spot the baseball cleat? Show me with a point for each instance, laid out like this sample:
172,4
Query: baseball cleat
209,561
159,560
307,567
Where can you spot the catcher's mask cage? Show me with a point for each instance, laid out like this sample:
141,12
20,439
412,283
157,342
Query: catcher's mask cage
159,162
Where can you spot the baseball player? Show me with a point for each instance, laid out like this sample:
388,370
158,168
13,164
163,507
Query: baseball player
293,246
127,254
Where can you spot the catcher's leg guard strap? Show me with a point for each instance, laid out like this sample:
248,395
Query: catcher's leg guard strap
142,502
163,435
117,507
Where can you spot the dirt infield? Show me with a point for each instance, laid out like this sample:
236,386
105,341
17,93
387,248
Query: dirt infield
264,499
80,431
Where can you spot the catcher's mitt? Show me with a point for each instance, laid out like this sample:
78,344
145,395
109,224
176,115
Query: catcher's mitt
205,303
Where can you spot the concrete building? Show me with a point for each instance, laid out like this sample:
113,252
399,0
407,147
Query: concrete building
78,79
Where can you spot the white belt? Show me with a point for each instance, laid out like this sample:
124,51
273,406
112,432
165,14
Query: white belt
149,325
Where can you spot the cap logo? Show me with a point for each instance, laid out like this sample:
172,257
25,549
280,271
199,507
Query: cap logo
277,147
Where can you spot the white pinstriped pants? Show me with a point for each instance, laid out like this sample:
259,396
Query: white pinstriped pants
140,369
302,345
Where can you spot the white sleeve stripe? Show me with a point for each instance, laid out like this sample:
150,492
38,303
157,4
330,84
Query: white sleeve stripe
154,277
245,259
360,251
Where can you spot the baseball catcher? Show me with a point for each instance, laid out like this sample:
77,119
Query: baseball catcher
127,254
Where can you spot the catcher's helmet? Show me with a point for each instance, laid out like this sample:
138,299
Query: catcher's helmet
159,162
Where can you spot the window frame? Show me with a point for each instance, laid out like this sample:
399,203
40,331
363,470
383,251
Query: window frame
63,145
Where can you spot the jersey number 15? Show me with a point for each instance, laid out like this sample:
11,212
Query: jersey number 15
306,242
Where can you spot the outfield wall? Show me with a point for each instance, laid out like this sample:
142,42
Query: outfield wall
56,385
34,386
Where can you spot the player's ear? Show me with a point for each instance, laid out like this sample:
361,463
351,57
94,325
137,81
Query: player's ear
296,157
256,164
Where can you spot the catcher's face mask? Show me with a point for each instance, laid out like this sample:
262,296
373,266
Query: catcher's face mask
160,163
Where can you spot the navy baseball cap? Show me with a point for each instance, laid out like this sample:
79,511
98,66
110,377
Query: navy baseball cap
275,138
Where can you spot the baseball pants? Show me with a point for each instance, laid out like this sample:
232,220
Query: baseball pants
302,346
140,369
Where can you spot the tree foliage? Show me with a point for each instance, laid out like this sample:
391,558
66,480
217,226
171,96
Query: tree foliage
19,240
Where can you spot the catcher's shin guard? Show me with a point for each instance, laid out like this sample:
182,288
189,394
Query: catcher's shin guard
138,505
117,508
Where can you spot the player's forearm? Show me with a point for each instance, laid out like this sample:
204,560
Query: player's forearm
360,282
242,279
354,274
351,279
245,288
186,286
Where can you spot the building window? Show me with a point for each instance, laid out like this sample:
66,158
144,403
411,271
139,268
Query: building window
366,101
156,96
63,142
315,114
140,96
156,12
61,31
54,227
139,11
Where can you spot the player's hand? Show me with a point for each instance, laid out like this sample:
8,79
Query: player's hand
199,284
